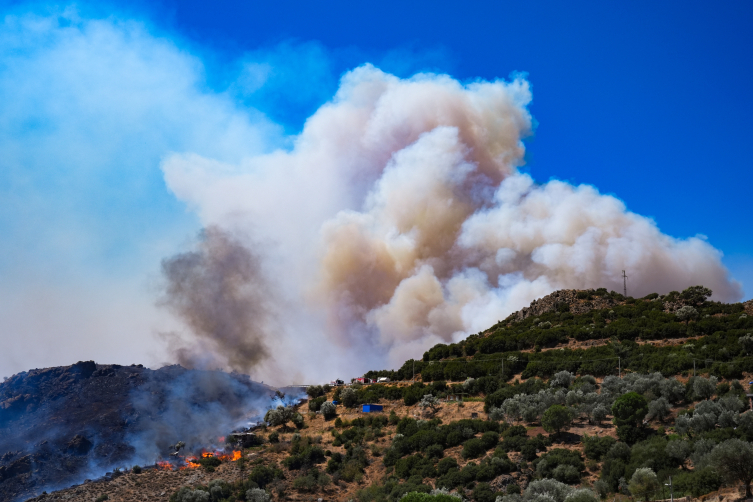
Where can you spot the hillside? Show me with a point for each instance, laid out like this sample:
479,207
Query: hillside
59,426
582,389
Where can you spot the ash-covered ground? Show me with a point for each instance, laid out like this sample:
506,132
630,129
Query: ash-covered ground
60,426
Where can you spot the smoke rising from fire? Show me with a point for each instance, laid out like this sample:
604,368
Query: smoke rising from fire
399,219
219,291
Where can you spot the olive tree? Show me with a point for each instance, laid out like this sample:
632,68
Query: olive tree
257,495
429,404
733,459
686,313
746,342
658,408
282,415
562,379
349,397
643,483
581,495
678,450
329,410
704,388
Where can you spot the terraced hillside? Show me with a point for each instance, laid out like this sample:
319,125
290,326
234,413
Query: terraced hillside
585,395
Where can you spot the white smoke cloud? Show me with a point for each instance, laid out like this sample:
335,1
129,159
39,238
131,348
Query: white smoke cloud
396,219
399,219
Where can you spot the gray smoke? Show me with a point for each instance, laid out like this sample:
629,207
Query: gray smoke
219,291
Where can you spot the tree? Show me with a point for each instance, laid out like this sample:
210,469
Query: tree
349,397
581,495
695,295
562,379
678,450
746,342
704,388
629,409
686,313
257,495
429,404
556,418
733,459
598,413
315,391
282,415
329,410
658,408
644,483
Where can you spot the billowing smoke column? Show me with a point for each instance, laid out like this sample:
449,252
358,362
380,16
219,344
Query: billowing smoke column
399,211
219,291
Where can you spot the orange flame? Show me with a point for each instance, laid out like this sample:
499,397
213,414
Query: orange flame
191,463
164,465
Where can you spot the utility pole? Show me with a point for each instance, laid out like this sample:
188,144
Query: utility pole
414,371
693,367
671,492
624,284
619,367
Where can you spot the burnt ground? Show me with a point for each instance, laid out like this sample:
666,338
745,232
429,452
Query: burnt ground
59,426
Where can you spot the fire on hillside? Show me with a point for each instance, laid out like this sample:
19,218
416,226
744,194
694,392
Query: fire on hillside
194,462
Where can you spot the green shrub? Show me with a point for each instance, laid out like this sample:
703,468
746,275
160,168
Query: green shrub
698,482
548,464
473,448
445,465
311,481
209,463
596,447
316,403
489,439
136,469
263,475
483,493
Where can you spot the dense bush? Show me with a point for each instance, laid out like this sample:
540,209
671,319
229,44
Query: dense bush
303,454
563,465
596,447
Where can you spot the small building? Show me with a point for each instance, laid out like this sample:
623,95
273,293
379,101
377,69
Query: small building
369,408
364,380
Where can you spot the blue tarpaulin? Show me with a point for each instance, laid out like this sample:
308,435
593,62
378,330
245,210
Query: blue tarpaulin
368,408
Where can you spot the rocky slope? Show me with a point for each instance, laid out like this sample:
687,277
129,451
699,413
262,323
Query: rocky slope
61,425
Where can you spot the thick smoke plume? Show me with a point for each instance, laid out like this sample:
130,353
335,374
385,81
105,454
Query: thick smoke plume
219,291
400,212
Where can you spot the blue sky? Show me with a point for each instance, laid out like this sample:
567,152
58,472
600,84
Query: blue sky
648,101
